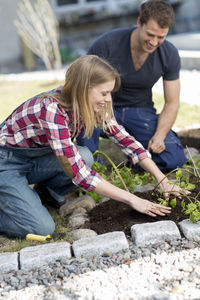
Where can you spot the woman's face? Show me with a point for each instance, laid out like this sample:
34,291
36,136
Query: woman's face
100,94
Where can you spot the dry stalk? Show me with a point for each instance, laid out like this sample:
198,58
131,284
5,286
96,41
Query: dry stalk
38,27
196,172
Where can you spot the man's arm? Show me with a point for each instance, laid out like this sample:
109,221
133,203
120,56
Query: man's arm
167,116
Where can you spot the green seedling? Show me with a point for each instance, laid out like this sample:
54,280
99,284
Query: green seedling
193,207
121,177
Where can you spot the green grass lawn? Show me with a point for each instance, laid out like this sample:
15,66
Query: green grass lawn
188,115
13,93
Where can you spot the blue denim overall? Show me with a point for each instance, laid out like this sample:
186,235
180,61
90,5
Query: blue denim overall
21,210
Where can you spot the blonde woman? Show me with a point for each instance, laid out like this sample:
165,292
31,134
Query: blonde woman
36,146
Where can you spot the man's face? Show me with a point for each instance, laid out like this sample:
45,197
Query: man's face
151,35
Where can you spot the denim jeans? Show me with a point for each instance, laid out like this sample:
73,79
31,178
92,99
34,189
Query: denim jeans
21,210
141,123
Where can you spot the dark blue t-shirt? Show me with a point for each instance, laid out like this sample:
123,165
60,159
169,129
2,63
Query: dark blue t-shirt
136,87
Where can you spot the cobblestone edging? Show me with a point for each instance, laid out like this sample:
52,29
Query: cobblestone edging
104,244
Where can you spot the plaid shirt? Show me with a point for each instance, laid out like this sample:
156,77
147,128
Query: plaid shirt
43,122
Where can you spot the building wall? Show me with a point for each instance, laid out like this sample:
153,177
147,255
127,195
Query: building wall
10,51
79,36
188,16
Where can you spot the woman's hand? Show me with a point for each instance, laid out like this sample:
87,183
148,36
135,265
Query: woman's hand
144,206
173,189
149,208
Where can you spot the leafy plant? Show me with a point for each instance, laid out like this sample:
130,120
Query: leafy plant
192,208
121,177
130,179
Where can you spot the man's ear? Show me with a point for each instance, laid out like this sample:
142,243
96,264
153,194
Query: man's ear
138,22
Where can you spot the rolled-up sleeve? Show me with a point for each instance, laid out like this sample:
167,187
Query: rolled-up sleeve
55,125
128,144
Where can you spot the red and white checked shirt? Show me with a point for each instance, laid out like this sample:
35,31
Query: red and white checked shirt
43,122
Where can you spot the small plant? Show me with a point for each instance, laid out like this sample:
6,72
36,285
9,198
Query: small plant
121,177
192,208
130,179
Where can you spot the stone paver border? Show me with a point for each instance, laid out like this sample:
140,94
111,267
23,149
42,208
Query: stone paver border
112,242
155,232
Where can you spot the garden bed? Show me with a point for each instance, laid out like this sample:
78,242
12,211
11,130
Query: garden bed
116,216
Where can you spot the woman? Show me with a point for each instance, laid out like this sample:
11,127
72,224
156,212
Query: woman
36,145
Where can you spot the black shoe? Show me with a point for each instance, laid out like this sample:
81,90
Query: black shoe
46,198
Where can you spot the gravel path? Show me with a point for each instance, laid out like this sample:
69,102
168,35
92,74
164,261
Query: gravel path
168,271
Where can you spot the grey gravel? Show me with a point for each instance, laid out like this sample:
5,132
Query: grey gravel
163,271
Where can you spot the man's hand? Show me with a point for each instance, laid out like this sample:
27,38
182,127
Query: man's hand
173,189
156,145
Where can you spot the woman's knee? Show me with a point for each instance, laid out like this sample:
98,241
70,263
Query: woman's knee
43,226
86,155
18,228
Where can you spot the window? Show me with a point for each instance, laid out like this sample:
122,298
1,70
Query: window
81,7
65,2
93,0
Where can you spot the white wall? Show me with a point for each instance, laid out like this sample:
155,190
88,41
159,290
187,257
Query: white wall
10,46
188,16
10,50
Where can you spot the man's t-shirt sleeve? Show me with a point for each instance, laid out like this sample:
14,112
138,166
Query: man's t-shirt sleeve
172,64
99,47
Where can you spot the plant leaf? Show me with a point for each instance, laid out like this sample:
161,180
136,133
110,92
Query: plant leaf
193,218
173,203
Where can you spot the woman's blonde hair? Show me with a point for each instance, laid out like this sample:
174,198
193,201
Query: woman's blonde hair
84,73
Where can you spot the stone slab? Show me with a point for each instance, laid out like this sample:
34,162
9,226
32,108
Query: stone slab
36,256
8,262
95,246
190,230
81,233
155,232
144,188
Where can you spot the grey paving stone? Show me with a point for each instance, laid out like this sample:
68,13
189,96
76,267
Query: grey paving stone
8,262
155,232
36,256
190,230
144,188
81,233
98,245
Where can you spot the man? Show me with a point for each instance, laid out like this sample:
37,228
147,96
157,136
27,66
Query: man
142,55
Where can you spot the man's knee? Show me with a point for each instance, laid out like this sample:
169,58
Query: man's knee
170,159
87,155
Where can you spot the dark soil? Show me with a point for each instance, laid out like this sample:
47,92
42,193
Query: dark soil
190,138
115,216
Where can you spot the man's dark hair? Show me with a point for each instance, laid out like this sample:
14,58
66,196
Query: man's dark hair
159,11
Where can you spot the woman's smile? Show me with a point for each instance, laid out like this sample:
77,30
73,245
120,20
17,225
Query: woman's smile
101,94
